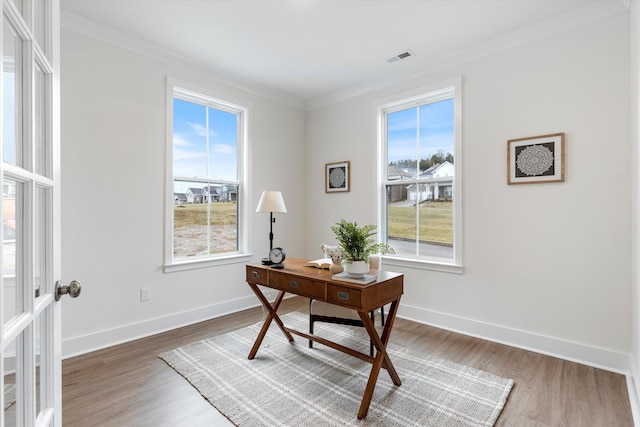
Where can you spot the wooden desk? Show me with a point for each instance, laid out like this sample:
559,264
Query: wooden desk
317,284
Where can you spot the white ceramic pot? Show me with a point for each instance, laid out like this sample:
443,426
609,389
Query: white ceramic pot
356,269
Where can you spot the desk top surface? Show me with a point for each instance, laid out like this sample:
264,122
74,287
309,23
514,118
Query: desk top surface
295,266
317,283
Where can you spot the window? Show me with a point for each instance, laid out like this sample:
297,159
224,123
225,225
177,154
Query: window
206,141
420,176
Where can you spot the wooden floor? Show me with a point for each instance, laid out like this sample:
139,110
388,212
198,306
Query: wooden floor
128,385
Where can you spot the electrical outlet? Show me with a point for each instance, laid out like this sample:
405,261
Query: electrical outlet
145,294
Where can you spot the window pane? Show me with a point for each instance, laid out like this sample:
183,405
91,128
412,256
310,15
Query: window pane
436,226
206,141
402,140
436,134
11,244
205,219
189,139
434,235
420,177
223,143
224,220
11,95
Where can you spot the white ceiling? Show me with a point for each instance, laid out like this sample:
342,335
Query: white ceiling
312,50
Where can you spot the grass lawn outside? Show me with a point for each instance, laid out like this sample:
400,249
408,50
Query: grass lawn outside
222,213
190,229
436,222
190,226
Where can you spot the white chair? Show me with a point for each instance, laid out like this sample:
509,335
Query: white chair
320,311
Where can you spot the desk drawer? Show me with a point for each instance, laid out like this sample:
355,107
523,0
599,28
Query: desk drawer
344,296
257,275
297,285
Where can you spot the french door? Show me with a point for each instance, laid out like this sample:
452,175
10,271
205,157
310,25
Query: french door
30,233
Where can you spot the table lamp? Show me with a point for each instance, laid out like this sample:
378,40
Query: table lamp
271,201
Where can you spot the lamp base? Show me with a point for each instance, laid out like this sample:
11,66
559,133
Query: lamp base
266,261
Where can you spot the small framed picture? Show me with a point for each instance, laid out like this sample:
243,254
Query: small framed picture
337,177
536,159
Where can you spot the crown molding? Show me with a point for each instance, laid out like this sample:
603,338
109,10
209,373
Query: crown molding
109,35
558,24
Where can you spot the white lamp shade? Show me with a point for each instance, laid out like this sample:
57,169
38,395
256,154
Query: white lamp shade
271,201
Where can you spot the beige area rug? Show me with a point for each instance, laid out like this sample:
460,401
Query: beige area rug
293,385
9,395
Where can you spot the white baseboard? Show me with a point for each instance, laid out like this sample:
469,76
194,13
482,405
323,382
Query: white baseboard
87,343
632,388
580,353
575,352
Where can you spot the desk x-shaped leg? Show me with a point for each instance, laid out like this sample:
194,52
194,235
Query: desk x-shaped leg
382,359
271,315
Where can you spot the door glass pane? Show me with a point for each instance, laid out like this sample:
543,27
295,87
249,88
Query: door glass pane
11,95
20,5
43,368
10,386
40,122
40,241
12,195
39,20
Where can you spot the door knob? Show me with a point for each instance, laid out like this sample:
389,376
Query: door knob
73,289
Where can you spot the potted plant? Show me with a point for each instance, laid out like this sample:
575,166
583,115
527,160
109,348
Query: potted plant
357,246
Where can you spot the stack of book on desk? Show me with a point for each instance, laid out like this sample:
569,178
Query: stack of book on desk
345,277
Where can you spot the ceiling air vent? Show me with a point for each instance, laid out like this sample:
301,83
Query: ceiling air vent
399,56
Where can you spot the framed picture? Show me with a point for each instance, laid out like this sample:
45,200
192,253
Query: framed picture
337,177
536,159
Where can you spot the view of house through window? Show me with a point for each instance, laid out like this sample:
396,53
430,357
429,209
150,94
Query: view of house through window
420,172
207,137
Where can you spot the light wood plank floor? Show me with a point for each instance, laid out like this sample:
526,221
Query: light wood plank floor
128,385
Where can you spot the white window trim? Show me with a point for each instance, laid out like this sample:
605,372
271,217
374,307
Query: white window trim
242,255
401,100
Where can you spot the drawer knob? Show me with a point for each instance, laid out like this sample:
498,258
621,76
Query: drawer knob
256,275
294,284
343,295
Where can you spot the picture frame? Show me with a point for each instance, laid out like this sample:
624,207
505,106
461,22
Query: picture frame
337,177
536,159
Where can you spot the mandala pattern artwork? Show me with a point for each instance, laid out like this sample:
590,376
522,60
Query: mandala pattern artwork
534,160
337,178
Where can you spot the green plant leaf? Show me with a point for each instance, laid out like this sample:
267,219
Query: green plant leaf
356,242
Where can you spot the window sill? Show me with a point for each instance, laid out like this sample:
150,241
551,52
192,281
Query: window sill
423,264
193,264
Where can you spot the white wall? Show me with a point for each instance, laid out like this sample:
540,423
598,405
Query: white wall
547,266
113,162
